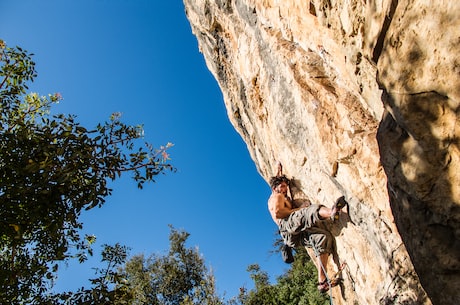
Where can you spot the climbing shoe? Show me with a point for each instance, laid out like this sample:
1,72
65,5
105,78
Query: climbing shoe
338,205
323,286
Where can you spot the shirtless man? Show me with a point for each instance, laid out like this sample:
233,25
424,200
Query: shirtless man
298,226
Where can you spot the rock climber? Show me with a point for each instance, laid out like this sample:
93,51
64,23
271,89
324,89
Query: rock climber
299,225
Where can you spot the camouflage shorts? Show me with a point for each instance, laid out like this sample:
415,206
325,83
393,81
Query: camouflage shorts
302,228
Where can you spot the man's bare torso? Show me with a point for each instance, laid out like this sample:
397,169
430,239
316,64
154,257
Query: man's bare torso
276,202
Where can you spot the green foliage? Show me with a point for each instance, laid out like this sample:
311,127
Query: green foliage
296,287
178,278
52,169
110,287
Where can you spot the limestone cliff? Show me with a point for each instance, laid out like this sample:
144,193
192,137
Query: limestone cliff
359,98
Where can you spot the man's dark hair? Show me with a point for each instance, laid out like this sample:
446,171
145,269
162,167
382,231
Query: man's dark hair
277,180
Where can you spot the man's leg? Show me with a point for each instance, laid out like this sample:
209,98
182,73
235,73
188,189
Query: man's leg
321,242
325,212
322,263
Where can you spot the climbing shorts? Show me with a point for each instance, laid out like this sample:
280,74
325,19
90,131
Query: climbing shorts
302,228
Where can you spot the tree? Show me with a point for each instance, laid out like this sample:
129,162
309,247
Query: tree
178,278
109,288
263,293
296,287
51,170
181,278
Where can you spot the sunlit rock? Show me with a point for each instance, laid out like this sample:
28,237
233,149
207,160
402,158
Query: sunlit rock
359,98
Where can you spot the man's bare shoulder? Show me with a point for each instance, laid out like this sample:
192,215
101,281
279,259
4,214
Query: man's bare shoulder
276,198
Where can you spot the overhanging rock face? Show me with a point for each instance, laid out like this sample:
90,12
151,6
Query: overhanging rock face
359,98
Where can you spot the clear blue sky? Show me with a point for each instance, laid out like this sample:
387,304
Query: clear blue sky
139,57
